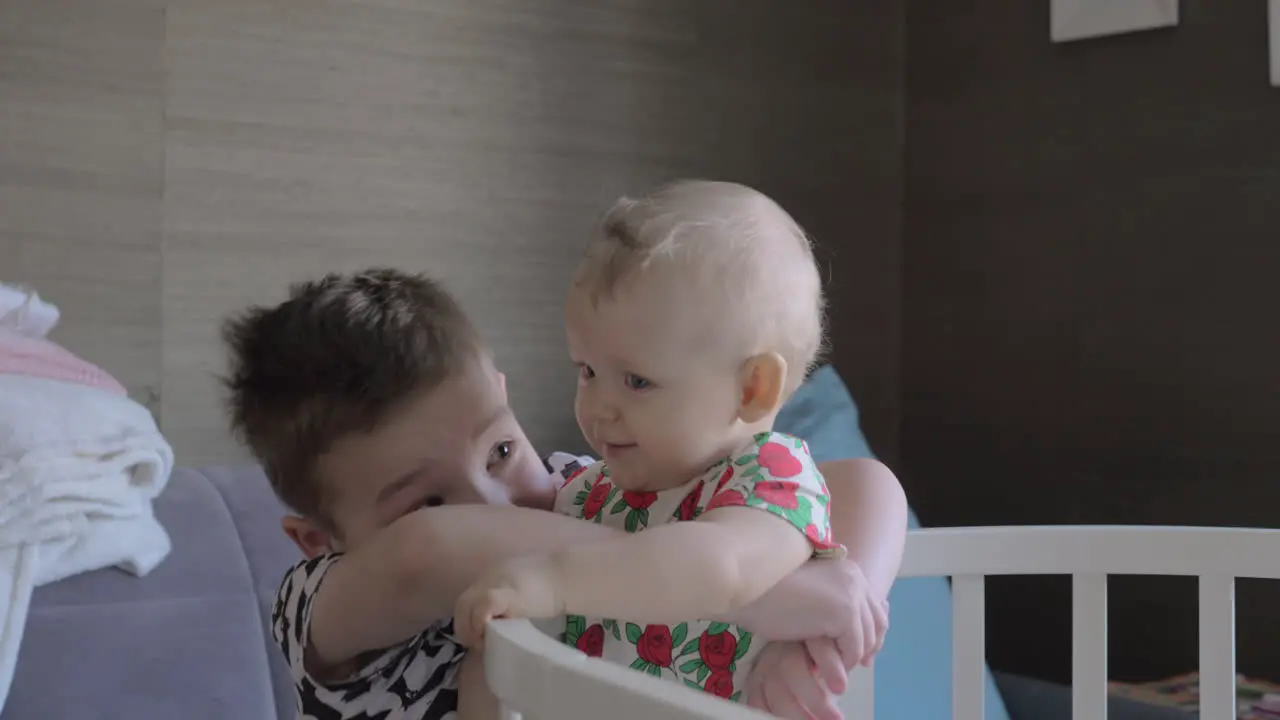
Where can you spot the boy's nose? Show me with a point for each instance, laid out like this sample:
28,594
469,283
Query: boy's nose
483,491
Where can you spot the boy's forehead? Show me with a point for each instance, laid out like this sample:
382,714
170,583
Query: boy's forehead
433,426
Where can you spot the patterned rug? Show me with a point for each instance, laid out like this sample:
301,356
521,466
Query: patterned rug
1258,699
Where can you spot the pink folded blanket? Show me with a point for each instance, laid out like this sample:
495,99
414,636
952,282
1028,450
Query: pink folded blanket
38,357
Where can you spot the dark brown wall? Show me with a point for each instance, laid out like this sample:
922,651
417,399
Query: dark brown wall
1092,244
807,105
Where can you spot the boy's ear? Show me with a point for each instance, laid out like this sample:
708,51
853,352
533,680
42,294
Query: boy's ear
502,383
310,538
762,379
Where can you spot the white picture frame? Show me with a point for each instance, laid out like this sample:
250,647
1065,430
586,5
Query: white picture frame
1071,20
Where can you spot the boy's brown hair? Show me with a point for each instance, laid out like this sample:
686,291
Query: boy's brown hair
338,357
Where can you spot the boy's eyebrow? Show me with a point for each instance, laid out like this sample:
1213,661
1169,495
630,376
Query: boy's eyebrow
409,478
400,484
494,418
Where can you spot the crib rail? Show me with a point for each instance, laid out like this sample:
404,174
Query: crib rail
1217,556
546,680
537,678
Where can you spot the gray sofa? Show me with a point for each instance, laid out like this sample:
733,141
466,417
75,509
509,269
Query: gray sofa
191,640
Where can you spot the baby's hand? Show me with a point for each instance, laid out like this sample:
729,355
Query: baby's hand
791,680
525,587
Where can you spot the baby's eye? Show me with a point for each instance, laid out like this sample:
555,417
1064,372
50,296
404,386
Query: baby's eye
500,453
585,372
433,501
635,382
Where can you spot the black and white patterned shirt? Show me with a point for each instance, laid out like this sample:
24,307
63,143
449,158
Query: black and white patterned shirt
416,680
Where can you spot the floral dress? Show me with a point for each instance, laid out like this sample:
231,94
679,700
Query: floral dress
774,473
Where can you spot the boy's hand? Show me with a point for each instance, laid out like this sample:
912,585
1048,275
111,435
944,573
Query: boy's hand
523,587
793,680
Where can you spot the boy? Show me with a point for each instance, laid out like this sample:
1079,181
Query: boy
368,397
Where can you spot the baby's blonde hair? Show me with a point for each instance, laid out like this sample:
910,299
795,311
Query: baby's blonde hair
736,244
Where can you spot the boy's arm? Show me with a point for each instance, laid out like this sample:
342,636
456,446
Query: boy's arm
705,568
475,701
409,575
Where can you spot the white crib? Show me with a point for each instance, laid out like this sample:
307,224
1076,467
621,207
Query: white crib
536,678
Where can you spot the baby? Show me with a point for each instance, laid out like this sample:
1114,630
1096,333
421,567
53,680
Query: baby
694,315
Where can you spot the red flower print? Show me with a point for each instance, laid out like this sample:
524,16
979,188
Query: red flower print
780,493
570,478
728,498
720,683
778,460
818,537
718,651
654,645
639,500
591,642
688,509
595,500
724,478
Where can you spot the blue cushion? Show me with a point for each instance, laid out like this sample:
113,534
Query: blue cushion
913,671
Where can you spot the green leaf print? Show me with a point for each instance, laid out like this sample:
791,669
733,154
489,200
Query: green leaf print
612,626
633,633
632,519
575,625
797,443
618,507
717,628
691,665
692,684
677,635
744,460
654,670
744,644
643,514
691,646
581,498
638,664
703,672
736,696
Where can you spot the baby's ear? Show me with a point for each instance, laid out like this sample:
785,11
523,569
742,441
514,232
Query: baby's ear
502,383
762,378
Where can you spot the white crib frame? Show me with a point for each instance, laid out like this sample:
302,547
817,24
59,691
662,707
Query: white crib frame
544,680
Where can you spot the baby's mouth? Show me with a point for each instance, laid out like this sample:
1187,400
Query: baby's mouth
613,450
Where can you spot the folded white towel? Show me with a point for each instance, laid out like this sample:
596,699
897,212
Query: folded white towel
23,310
78,470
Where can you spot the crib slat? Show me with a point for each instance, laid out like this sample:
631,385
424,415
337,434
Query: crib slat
968,646
1089,647
860,697
1217,647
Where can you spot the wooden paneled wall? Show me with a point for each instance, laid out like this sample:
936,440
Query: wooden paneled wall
165,162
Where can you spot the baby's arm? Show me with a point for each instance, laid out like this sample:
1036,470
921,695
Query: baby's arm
763,521
869,516
409,574
706,568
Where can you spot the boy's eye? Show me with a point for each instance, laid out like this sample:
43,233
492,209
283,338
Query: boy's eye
585,372
500,453
635,382
433,501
